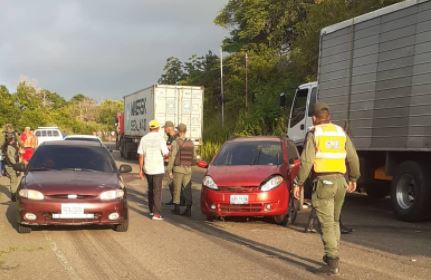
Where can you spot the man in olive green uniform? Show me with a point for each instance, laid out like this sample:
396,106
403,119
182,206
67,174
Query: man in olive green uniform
183,156
11,159
171,135
327,148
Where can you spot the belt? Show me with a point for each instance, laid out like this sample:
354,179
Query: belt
329,174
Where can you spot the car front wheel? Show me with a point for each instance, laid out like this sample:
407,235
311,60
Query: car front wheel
281,219
122,227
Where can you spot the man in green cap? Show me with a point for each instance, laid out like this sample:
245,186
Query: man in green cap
326,150
183,156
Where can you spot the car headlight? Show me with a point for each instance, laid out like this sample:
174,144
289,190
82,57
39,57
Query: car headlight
209,183
272,183
31,194
111,195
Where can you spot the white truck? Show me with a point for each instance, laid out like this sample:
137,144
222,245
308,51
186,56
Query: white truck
179,104
375,75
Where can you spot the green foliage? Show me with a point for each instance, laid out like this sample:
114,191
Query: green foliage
107,110
172,72
33,107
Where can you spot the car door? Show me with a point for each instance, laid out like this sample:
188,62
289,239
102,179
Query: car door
301,113
293,159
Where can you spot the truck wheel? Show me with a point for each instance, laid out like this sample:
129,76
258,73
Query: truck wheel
378,190
410,193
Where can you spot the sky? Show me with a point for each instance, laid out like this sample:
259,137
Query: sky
101,48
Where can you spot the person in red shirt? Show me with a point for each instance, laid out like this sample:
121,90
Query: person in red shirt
29,142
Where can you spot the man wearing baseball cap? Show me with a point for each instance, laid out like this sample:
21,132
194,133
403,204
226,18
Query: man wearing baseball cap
152,149
183,156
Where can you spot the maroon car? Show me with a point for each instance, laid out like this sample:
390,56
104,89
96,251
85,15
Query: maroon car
72,183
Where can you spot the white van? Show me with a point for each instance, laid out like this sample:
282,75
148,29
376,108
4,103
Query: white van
48,134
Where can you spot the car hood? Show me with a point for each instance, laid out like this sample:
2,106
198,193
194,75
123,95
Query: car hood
63,182
244,175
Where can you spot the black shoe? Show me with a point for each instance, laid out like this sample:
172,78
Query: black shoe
187,212
333,265
345,230
169,203
13,197
176,210
325,259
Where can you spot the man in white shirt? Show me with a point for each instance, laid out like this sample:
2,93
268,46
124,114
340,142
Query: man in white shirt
152,149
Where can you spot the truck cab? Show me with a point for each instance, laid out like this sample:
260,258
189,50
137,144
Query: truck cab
301,112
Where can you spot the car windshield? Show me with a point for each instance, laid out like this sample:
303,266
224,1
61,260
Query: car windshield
76,158
250,153
83,139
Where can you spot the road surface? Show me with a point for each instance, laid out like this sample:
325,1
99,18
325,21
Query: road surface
182,248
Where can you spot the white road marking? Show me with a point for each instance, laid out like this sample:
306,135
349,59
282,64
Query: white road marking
62,258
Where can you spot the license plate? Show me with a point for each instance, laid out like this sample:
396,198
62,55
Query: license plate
72,216
238,199
72,209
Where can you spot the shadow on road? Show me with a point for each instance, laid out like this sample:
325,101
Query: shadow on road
198,224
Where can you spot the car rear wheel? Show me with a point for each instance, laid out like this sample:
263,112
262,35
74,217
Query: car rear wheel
23,229
122,227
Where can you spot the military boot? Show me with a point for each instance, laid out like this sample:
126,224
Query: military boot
188,211
176,210
332,265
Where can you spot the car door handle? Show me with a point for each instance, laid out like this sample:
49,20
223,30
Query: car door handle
302,127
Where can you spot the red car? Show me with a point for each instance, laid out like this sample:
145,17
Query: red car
251,176
72,183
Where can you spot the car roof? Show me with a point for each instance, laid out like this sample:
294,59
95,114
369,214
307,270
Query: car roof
82,136
71,143
256,138
47,127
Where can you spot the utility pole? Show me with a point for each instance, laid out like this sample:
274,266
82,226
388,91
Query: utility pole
246,80
44,99
221,87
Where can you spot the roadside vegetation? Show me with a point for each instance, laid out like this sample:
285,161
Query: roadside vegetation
281,40
30,106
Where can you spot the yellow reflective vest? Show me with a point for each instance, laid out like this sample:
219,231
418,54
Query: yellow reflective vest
330,140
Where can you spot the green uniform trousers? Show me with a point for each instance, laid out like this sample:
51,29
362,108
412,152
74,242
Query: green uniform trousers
182,181
328,198
11,173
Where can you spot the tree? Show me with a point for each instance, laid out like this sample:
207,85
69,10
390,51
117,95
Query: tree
107,111
173,72
255,22
83,108
8,111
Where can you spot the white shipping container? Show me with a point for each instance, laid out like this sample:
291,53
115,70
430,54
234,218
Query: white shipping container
179,104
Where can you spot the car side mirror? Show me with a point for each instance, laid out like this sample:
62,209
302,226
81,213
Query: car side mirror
125,168
202,164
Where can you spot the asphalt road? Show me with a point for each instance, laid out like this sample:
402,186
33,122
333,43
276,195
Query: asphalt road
182,248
